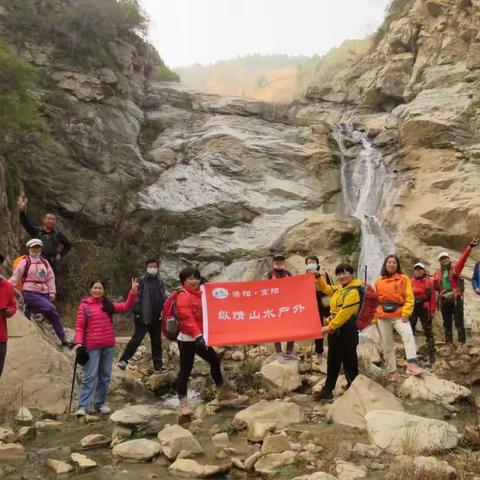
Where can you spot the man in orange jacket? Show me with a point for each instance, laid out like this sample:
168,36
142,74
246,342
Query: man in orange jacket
448,283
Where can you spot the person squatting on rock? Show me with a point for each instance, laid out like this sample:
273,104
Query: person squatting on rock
55,243
279,271
146,316
425,306
94,331
34,275
476,278
396,302
341,328
190,339
312,263
8,308
449,284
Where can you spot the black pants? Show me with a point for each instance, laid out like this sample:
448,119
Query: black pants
422,314
154,330
342,350
319,346
187,356
452,313
3,354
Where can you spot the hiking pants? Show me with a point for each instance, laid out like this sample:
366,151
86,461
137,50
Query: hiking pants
187,357
452,312
319,346
342,350
40,303
278,347
154,330
3,354
422,314
404,329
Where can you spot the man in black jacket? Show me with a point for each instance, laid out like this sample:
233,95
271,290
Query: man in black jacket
146,315
55,244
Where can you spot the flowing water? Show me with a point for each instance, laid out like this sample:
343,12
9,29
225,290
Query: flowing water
363,181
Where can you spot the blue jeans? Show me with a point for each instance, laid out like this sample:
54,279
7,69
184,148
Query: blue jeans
96,378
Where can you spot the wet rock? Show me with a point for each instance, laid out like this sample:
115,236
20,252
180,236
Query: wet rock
192,469
258,430
282,375
363,396
251,460
397,432
134,415
59,467
276,444
423,465
220,440
271,463
364,450
430,387
91,419
283,414
94,440
349,471
7,435
175,439
82,461
139,450
200,412
24,417
12,454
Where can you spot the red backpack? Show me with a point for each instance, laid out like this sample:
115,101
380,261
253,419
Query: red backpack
170,321
368,305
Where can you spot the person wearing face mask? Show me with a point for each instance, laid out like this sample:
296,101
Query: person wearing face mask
279,271
341,327
449,286
8,307
396,302
37,280
312,263
146,316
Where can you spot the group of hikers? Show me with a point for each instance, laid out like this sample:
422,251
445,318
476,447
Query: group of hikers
401,302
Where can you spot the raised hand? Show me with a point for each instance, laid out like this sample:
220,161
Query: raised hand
21,203
135,285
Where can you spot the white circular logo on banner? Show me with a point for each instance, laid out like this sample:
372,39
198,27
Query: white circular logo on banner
220,293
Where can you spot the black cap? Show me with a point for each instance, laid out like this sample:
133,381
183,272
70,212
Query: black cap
2,259
278,256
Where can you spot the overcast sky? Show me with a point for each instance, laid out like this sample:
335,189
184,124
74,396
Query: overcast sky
206,31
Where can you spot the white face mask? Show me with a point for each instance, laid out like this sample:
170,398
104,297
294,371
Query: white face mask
312,267
152,271
34,254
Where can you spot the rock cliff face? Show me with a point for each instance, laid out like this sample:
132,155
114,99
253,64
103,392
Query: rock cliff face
154,168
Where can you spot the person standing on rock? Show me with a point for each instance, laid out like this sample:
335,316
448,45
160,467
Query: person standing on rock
146,316
476,278
37,280
279,271
312,263
55,243
190,339
425,306
449,284
8,308
94,332
341,327
396,302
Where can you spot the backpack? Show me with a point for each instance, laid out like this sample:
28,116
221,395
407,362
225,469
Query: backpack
17,261
368,305
170,321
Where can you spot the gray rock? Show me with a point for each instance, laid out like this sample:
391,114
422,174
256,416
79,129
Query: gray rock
139,450
175,439
271,463
58,467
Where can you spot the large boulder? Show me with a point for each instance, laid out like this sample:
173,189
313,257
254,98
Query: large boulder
36,368
363,396
282,413
175,439
140,449
134,415
430,387
285,376
399,432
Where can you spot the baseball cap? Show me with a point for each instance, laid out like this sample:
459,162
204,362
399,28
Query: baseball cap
419,265
444,255
278,256
34,242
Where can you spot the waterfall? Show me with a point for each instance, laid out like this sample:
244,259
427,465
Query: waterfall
362,184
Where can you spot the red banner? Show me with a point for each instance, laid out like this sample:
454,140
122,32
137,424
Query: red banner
264,311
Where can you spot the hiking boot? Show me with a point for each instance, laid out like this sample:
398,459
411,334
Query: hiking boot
105,409
122,365
81,412
281,357
161,370
291,356
414,369
324,394
318,358
184,408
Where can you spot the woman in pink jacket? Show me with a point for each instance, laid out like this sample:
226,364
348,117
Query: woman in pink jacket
94,331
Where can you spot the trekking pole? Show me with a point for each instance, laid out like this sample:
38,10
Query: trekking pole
366,273
73,385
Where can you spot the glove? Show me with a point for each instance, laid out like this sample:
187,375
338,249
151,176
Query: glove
200,342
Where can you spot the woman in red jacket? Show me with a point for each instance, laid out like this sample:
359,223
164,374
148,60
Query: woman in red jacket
190,339
94,331
8,307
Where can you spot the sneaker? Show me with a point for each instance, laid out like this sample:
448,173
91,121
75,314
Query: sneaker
414,369
281,357
319,358
184,408
161,370
105,409
324,394
122,365
81,412
291,356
